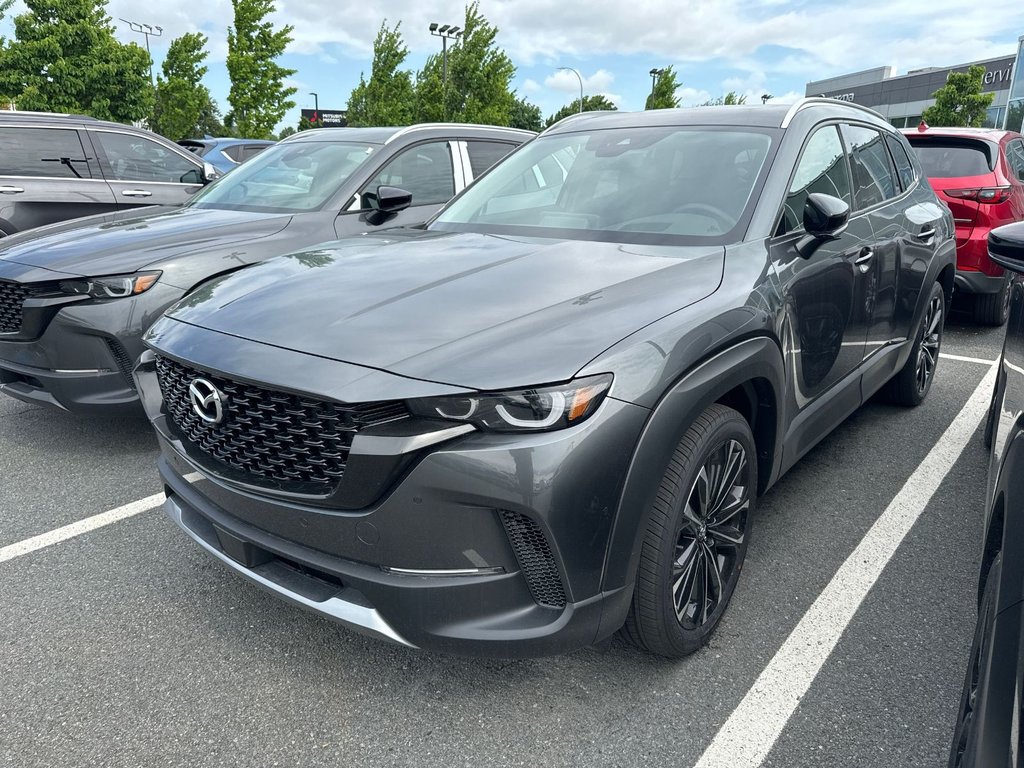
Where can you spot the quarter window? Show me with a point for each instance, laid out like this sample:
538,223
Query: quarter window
873,180
134,158
822,168
425,171
904,168
42,153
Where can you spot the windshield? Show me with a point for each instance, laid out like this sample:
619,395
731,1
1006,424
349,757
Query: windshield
643,185
287,178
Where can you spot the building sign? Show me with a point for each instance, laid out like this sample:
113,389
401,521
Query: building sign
843,96
328,118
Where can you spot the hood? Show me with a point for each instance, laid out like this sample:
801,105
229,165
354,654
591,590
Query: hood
107,245
469,310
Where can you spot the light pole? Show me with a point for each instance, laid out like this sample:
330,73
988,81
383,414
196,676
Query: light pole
765,97
316,107
147,30
580,78
655,74
446,32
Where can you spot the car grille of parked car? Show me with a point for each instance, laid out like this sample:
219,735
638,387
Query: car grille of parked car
12,298
268,438
535,559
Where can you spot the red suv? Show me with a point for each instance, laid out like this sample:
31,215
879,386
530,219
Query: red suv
979,174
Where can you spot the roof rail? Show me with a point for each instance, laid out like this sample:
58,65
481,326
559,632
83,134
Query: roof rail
425,126
48,114
811,101
577,115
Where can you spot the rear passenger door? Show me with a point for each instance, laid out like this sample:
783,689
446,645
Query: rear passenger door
144,172
46,176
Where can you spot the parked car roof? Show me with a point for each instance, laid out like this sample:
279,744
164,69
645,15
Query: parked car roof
388,134
992,134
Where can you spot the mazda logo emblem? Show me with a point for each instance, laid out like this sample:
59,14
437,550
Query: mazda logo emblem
207,401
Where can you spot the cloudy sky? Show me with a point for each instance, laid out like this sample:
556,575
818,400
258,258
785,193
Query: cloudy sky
750,46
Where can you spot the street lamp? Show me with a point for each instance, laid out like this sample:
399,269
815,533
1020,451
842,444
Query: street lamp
147,30
578,77
765,97
446,32
655,74
316,107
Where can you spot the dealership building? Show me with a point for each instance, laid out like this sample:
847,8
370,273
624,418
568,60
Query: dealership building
902,98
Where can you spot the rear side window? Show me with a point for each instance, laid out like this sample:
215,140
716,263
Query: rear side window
822,168
950,158
484,154
873,179
251,150
233,152
42,153
904,168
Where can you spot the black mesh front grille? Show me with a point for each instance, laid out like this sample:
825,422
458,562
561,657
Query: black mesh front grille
535,559
12,297
124,362
270,438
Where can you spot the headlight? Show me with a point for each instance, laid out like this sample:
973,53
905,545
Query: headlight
537,409
113,287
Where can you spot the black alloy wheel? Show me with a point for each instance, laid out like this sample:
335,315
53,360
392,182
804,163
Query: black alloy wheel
911,385
697,536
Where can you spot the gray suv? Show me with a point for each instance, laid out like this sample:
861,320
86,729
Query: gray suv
58,167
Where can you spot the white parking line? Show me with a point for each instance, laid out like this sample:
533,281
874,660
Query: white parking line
746,738
963,359
79,527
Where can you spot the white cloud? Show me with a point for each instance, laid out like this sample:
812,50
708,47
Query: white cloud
567,81
691,97
531,86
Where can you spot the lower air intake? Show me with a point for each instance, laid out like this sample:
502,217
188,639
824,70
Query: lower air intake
535,559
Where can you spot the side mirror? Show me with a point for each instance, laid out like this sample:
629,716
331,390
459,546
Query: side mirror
209,172
1006,247
825,218
389,199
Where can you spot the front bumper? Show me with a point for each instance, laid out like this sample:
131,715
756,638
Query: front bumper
79,357
487,545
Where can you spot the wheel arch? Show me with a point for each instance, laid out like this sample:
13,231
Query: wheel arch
748,376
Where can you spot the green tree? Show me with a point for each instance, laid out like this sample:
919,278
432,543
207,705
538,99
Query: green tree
960,101
730,99
479,78
387,98
258,96
64,58
526,116
182,101
287,131
210,122
305,124
590,104
663,95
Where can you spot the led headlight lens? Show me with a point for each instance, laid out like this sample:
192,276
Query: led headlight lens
111,287
536,409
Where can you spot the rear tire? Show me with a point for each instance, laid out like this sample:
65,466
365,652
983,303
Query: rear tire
911,385
993,308
696,538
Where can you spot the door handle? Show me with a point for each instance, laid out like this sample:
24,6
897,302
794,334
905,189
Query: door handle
5,190
926,235
136,193
863,261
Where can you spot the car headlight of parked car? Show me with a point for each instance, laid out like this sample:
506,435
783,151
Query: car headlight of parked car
536,409
111,287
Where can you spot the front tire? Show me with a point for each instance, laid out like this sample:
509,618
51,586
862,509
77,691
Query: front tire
696,538
913,382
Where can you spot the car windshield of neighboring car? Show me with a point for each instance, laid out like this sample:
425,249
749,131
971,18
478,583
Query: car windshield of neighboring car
288,178
951,158
662,185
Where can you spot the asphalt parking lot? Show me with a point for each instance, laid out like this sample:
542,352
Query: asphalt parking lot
128,646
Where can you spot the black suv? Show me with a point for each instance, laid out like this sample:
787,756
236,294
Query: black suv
549,413
58,167
75,298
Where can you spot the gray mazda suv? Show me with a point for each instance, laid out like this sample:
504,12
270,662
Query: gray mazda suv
549,413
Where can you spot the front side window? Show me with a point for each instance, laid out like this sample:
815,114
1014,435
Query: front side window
293,177
873,179
134,158
42,153
822,168
665,184
425,171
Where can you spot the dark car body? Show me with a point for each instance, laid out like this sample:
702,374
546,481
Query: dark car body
979,174
988,725
61,348
347,464
225,154
58,167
